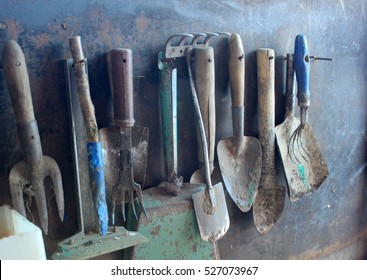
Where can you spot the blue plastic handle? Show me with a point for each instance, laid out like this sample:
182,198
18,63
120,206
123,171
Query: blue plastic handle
98,185
302,69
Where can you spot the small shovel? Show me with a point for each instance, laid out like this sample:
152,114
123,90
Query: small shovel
269,201
210,205
239,156
304,176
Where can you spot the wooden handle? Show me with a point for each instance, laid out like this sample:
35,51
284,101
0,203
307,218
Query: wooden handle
205,88
120,71
82,85
266,107
236,70
16,75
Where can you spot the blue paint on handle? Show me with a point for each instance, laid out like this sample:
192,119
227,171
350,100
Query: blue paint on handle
98,185
302,69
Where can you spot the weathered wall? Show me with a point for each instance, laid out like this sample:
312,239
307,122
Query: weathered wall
325,222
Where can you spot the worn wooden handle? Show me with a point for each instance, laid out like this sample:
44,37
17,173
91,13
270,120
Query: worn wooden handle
205,88
16,75
266,107
82,85
236,70
120,71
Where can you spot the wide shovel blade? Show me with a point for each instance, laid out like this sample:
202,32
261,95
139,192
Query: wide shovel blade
240,164
307,175
213,222
111,146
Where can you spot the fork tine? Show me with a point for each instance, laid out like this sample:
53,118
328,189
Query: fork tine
139,194
123,205
113,203
131,197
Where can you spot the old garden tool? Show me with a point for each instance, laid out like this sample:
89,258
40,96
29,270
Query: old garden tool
168,102
269,201
305,167
205,87
210,204
94,147
172,218
87,243
118,138
239,156
28,176
168,106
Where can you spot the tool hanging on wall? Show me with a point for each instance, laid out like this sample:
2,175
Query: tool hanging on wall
94,147
269,201
125,146
28,176
304,165
168,106
172,218
205,88
239,156
87,243
210,204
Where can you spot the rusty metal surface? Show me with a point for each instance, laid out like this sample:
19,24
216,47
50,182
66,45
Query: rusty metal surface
334,214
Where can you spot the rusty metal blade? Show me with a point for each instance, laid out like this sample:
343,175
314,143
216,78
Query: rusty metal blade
111,145
240,164
304,177
213,222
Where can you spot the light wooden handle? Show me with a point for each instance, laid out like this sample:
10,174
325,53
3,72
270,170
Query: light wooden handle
236,70
16,75
205,88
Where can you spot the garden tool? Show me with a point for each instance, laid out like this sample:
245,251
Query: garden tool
295,138
168,102
269,201
210,204
239,156
168,105
118,138
94,147
172,220
205,87
87,243
28,175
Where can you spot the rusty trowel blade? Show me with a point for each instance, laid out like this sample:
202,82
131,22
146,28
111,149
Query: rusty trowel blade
240,164
268,207
213,222
111,145
303,177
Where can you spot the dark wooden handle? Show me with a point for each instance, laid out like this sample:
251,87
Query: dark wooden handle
236,70
120,71
16,75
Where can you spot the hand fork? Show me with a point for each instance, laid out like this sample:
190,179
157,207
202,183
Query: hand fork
121,75
35,167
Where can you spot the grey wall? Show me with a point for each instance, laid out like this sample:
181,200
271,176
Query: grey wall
329,220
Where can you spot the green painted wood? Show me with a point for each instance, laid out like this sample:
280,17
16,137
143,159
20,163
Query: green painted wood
171,228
